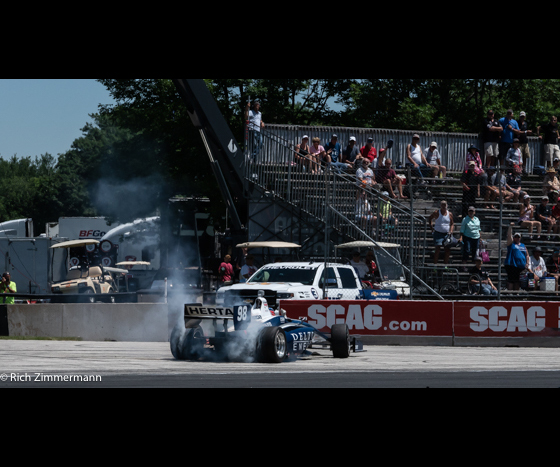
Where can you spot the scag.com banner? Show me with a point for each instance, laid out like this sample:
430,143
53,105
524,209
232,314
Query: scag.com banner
376,318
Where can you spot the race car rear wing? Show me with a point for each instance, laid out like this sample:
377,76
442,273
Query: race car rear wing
199,311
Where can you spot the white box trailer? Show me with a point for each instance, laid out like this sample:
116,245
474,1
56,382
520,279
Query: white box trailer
80,228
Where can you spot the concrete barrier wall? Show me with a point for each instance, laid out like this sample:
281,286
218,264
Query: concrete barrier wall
91,322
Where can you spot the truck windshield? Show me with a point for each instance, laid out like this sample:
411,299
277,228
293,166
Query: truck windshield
305,276
390,269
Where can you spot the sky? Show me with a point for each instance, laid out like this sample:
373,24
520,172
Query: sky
39,116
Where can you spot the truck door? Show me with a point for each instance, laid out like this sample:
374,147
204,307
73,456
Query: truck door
350,285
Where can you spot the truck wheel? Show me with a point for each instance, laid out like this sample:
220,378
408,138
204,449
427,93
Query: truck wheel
272,346
340,341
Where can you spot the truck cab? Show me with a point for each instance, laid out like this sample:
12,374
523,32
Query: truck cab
294,281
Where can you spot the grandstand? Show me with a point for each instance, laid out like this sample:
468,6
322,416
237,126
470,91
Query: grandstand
288,203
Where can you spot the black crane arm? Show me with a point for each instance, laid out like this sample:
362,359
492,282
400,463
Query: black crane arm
226,156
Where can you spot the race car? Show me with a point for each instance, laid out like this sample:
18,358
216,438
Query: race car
251,334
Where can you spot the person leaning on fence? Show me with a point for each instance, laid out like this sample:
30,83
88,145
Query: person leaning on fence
517,259
444,226
550,140
524,139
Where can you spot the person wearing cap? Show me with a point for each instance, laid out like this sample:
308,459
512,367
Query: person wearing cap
434,159
544,216
480,280
470,235
524,139
352,155
527,217
8,287
511,131
368,151
517,259
491,132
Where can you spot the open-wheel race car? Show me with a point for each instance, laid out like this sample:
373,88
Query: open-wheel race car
251,334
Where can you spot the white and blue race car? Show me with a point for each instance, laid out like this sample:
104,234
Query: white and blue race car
251,334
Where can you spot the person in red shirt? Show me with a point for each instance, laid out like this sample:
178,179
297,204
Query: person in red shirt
225,274
368,151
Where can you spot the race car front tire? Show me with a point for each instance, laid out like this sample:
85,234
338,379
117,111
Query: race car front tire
340,341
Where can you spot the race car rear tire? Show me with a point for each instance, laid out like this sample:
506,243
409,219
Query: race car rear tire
193,344
340,341
272,346
177,339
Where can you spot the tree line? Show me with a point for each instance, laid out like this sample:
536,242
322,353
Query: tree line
136,154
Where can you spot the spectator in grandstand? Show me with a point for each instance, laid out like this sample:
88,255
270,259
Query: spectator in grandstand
553,267
556,211
255,124
513,185
550,140
473,155
387,177
386,213
511,131
544,216
444,226
364,213
318,156
368,151
524,139
480,280
470,235
537,266
527,217
471,188
514,155
416,158
334,152
364,175
302,153
434,159
517,259
491,132
497,185
551,184
352,155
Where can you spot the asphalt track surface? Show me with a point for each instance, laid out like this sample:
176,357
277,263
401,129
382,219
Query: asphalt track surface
44,364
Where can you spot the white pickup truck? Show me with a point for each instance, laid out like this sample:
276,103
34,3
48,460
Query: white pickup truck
294,281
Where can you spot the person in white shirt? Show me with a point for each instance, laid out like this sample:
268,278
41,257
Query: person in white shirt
255,124
537,266
514,155
361,268
433,158
249,270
